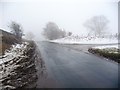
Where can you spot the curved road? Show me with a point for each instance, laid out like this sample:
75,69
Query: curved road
67,68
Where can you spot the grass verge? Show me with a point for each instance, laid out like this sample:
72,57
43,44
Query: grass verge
106,53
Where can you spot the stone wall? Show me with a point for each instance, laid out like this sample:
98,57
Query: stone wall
25,73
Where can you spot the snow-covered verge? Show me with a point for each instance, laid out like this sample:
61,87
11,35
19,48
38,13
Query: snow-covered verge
107,46
86,40
17,66
109,51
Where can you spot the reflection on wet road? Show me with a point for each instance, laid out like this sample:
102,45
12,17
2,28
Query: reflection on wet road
67,68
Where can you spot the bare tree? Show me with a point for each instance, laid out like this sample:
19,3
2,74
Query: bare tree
29,35
52,31
16,29
97,25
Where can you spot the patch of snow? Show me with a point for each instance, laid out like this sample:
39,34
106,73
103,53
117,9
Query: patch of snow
85,40
106,46
15,51
8,86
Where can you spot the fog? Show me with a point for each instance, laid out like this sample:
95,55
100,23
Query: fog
70,15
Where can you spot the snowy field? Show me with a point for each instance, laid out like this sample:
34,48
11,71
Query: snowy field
86,40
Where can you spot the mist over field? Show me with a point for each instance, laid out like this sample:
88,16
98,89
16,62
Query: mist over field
69,15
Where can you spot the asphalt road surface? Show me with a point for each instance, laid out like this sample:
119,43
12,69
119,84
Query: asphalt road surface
67,68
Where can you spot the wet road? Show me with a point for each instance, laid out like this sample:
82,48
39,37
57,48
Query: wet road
67,68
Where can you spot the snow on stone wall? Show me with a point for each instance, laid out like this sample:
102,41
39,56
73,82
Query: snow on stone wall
17,67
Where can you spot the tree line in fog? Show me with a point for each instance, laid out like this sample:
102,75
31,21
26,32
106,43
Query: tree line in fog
97,26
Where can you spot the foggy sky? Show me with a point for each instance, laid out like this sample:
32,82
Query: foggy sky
67,14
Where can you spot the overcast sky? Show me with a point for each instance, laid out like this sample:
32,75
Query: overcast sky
68,14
